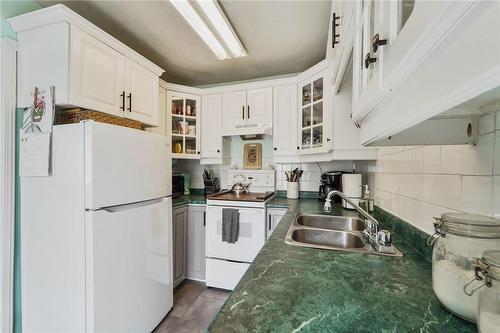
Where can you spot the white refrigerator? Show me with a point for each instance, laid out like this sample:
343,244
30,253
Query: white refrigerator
96,235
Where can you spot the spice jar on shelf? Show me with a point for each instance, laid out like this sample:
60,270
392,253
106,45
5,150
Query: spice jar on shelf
458,239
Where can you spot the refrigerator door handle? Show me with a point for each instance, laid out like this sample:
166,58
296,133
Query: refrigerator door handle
121,208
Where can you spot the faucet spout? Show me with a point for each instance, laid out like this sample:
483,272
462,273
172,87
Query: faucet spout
328,206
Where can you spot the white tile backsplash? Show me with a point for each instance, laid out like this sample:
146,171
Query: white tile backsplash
419,183
496,196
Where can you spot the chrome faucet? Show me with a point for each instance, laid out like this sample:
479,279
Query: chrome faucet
380,240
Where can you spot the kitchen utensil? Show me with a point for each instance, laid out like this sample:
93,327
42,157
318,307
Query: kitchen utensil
238,186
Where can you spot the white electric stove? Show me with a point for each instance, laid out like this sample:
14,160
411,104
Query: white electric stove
227,262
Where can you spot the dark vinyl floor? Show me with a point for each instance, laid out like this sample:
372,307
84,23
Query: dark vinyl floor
195,306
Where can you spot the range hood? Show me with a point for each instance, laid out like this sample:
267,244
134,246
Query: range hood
250,131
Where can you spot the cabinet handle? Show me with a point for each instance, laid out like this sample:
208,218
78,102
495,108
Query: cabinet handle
198,153
243,112
334,32
122,95
248,111
275,148
369,60
218,150
298,147
204,219
129,109
327,139
376,42
269,222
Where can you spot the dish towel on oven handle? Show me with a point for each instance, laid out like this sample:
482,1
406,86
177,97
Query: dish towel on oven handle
230,225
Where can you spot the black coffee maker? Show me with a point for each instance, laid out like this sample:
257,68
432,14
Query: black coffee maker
330,181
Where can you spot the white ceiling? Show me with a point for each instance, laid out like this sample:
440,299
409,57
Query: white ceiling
280,37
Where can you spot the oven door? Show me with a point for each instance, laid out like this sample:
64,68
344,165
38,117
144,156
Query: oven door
252,234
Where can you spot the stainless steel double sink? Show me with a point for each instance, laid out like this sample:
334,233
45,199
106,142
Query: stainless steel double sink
331,233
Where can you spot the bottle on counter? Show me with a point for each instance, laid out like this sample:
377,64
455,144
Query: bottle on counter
366,202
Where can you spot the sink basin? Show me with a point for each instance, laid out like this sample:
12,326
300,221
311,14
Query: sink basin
329,232
333,238
331,222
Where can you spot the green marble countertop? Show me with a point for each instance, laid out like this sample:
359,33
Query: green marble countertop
295,289
193,199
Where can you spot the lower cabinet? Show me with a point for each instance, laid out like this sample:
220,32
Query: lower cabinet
274,216
180,232
196,243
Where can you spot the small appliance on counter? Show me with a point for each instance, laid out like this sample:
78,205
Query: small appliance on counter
177,184
351,187
330,181
210,182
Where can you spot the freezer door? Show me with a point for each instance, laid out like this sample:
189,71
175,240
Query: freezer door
129,267
124,165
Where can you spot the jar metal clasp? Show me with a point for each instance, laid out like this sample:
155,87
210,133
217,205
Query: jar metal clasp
482,273
438,231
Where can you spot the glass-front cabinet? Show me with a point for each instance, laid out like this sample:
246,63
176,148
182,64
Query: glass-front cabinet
312,122
184,114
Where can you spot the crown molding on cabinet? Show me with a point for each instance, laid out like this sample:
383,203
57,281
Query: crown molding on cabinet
61,13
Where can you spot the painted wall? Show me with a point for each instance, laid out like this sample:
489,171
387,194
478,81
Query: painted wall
14,8
418,183
10,9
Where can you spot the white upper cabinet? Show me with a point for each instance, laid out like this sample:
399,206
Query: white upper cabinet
233,110
340,39
247,111
211,126
285,120
88,67
98,74
426,57
259,106
141,86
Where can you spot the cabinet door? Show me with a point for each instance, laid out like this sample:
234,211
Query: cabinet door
179,227
314,126
285,120
196,243
141,88
233,110
273,219
162,113
259,106
97,74
211,126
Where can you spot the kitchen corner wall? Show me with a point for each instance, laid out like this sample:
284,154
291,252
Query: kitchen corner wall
417,183
309,181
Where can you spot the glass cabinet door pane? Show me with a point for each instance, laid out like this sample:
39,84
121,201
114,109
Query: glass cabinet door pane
317,137
317,115
306,138
306,116
177,106
318,90
190,146
177,144
306,94
191,107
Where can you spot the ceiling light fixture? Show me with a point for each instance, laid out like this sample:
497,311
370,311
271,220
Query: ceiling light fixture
220,22
192,17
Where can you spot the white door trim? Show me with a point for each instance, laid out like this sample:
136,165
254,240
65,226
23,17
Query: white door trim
8,69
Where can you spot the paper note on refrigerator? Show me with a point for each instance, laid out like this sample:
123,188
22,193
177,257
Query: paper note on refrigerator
35,134
34,157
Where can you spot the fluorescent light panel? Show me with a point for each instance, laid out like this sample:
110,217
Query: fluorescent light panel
190,15
216,16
